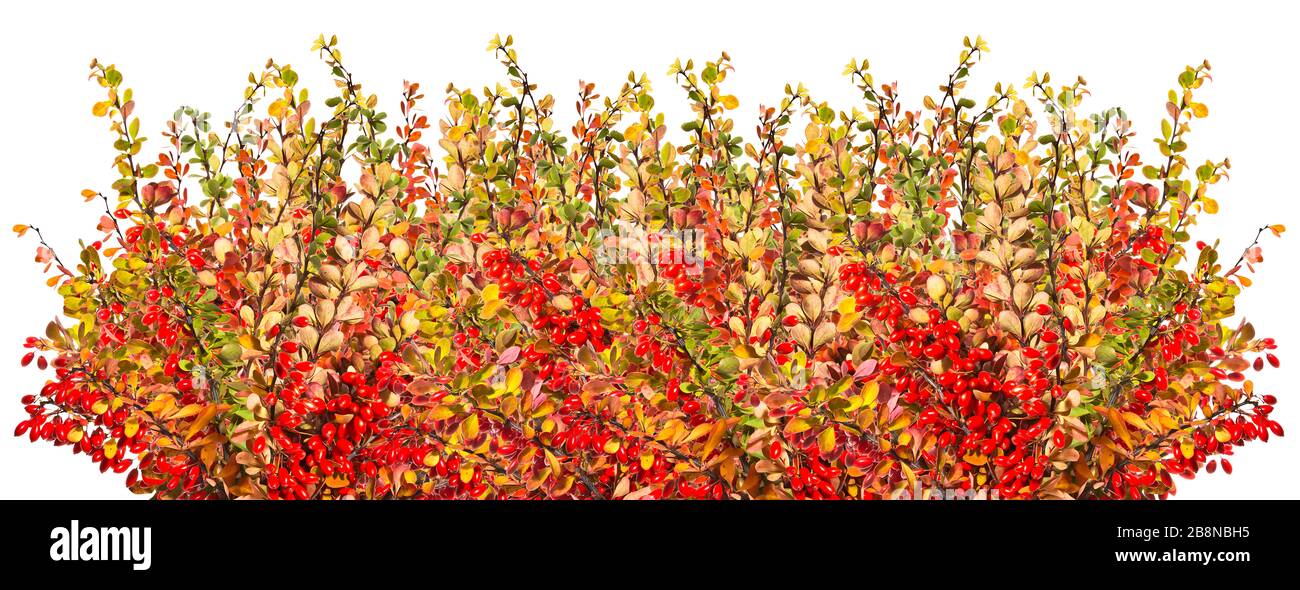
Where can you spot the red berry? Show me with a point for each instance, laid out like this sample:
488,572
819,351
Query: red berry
774,450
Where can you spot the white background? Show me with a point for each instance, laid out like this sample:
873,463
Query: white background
1129,52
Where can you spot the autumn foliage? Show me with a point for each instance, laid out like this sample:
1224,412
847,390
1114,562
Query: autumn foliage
319,300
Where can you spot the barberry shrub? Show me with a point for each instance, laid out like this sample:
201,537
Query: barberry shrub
989,298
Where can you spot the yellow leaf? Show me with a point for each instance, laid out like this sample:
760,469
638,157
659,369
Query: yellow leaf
470,427
847,305
697,432
911,475
936,287
869,393
1117,422
975,459
557,469
826,440
160,403
797,425
208,454
1136,420
201,422
715,437
490,309
277,108
730,101
1168,421
1105,458
187,411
